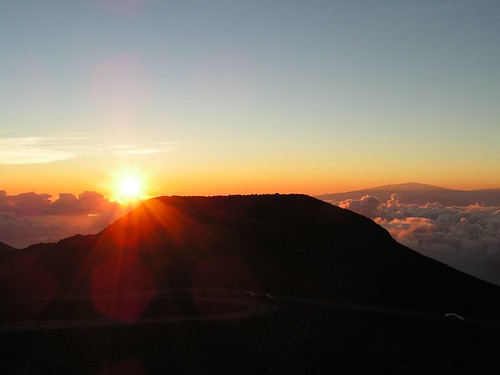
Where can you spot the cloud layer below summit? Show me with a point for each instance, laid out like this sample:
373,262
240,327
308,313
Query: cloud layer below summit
466,238
30,218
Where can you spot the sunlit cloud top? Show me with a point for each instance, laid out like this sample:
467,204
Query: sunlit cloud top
467,238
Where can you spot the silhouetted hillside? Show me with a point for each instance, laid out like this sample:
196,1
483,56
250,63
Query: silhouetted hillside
240,284
5,247
283,244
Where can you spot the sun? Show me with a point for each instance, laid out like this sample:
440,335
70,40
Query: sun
130,189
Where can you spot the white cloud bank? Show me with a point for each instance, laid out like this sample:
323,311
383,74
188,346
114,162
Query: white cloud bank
466,238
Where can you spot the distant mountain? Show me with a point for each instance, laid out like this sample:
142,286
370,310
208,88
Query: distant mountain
415,193
240,284
411,186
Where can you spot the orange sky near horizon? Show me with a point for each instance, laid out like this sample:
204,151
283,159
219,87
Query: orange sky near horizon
248,97
77,176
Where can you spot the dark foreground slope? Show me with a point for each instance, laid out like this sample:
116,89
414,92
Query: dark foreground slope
240,284
4,248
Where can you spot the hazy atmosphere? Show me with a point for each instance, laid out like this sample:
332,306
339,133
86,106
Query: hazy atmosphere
226,97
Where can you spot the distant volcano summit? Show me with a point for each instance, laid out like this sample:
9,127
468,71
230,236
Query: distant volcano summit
415,193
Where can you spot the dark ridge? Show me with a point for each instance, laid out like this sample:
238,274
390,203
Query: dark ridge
40,246
284,284
5,248
284,244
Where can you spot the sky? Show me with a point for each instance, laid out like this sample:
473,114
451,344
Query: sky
226,97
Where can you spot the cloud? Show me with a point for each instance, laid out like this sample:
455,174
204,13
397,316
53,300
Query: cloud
466,238
368,206
89,202
34,150
27,203
30,218
42,150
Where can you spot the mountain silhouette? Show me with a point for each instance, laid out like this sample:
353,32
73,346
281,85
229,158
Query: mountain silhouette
5,248
290,266
415,193
286,244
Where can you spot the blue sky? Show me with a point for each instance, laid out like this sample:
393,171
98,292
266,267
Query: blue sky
229,96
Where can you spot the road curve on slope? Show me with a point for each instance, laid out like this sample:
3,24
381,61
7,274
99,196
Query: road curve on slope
252,304
248,307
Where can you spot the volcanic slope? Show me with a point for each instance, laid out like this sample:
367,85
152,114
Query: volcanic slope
288,245
274,284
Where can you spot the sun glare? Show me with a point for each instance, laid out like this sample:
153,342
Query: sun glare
130,189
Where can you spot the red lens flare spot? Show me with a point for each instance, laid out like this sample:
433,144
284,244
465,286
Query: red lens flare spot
122,289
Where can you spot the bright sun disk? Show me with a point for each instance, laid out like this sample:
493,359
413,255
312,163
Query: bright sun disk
130,189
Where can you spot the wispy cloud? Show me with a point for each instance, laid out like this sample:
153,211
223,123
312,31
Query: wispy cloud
42,150
34,150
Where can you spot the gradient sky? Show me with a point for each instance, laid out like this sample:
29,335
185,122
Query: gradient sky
219,97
